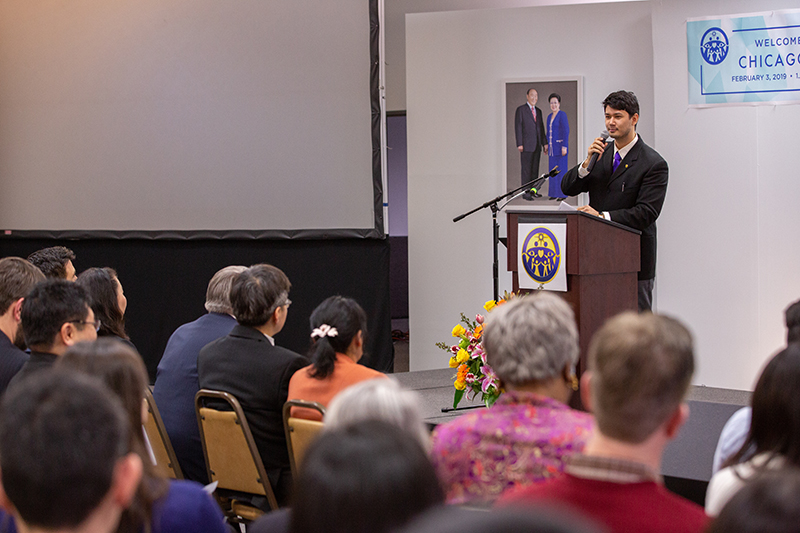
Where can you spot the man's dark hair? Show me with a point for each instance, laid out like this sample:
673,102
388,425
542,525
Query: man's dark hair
257,292
52,261
61,434
48,306
17,278
623,101
529,91
792,315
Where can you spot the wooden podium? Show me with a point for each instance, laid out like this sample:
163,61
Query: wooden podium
602,266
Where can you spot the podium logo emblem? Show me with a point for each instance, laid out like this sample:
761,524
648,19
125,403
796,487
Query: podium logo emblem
714,46
541,255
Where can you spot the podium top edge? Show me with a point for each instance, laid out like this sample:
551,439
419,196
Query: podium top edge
557,213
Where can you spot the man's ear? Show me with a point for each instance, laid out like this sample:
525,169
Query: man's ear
16,310
127,477
586,390
676,421
67,334
276,315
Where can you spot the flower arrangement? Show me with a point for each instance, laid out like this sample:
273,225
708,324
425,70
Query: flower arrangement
473,374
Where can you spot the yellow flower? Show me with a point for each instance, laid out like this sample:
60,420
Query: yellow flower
458,330
453,362
460,385
491,304
462,356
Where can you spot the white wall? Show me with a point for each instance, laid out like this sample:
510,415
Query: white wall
456,66
394,25
728,253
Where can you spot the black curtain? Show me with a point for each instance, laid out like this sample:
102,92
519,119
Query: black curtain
165,282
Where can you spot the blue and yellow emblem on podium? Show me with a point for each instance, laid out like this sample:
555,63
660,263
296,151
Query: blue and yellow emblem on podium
541,255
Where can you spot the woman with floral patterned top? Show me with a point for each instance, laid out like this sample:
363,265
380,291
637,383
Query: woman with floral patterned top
532,345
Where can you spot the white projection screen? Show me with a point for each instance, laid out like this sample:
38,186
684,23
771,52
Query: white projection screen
186,115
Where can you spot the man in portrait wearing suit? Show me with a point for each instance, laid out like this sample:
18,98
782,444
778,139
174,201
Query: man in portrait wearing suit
627,184
247,364
531,138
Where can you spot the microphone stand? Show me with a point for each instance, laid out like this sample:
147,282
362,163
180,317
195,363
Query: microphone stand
492,204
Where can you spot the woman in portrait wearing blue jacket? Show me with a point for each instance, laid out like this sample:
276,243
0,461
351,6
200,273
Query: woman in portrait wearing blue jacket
558,133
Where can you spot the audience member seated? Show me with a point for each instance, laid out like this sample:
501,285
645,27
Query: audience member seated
639,369
370,477
532,345
108,302
17,278
65,462
376,399
736,428
767,504
774,429
168,506
379,399
176,379
55,262
339,327
247,364
55,315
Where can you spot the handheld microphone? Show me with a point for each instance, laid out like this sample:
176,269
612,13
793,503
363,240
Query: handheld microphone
593,160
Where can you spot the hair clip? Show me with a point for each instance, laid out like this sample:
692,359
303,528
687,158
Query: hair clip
324,331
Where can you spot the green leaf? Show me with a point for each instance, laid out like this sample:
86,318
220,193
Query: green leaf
457,398
489,399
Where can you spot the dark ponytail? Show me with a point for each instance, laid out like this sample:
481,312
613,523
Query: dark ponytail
348,318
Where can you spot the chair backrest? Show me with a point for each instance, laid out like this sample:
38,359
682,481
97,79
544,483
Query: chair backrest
232,458
166,460
299,431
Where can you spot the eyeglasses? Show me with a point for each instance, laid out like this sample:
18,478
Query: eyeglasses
96,323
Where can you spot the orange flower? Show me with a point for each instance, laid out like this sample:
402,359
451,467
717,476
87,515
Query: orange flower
478,332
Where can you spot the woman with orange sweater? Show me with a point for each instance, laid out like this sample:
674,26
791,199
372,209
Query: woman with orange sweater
339,327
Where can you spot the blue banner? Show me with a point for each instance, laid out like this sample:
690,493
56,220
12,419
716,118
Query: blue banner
744,59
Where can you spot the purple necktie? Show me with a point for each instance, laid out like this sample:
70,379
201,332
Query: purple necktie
617,160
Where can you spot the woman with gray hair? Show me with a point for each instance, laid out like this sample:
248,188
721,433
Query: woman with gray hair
532,345
378,399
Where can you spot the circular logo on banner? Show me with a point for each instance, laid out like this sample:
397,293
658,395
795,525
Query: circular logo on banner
541,255
714,46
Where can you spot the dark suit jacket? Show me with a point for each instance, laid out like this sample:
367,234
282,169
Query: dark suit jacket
245,364
176,386
11,361
633,195
530,136
37,362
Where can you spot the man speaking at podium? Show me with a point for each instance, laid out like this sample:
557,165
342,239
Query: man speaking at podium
627,184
